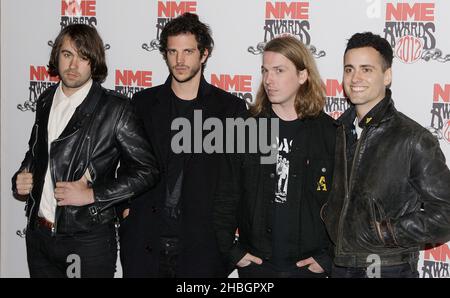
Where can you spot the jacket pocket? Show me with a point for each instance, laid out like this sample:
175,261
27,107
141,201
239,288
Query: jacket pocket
377,215
382,225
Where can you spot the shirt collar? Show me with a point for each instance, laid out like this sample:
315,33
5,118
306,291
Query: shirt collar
75,99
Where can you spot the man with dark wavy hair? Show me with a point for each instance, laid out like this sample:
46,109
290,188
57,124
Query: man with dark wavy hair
69,177
167,232
391,187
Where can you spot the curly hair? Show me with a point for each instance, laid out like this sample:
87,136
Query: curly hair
188,23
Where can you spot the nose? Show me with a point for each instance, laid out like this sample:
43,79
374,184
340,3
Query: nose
74,62
356,76
180,58
268,77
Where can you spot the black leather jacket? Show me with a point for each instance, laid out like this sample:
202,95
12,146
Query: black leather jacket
102,132
394,196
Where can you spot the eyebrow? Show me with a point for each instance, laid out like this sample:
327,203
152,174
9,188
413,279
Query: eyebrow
66,51
276,66
173,49
364,65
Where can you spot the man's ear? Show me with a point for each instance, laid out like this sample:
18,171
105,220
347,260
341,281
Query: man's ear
205,56
387,77
302,76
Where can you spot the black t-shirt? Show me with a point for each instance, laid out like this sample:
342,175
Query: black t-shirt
281,229
175,163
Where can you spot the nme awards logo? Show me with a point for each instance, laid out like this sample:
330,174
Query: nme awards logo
128,82
440,112
435,262
286,18
78,12
39,81
238,85
410,29
168,10
336,102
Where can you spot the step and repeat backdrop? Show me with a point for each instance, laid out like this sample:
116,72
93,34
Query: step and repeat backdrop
417,30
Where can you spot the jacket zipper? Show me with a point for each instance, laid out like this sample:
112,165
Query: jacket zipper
52,171
348,186
55,224
35,139
32,207
31,192
129,195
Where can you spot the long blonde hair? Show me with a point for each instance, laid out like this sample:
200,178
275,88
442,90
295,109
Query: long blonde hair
310,98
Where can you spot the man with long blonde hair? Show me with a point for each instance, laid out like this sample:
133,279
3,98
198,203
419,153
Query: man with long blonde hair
280,230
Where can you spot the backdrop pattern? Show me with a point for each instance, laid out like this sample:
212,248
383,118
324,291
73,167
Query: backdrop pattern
417,30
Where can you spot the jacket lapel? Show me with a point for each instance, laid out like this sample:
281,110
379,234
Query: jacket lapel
44,112
160,118
83,112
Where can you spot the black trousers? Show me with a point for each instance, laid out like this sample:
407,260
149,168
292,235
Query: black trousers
267,270
168,257
90,254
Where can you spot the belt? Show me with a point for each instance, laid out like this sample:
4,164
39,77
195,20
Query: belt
43,222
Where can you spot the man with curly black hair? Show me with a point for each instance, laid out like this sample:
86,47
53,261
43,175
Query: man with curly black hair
168,231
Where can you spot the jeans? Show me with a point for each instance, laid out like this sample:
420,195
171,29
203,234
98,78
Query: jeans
406,270
89,254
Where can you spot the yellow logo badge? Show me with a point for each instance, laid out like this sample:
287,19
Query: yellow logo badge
322,184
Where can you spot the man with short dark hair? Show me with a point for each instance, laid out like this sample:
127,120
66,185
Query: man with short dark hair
391,186
168,231
68,177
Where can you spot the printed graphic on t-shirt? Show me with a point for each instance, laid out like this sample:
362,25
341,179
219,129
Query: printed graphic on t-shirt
282,169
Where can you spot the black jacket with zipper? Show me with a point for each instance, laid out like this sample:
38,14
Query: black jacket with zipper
394,196
245,196
102,132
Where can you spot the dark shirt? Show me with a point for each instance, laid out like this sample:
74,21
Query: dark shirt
175,164
281,232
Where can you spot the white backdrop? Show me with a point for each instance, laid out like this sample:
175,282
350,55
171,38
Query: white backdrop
417,30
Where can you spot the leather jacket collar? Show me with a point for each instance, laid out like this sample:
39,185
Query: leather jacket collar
383,111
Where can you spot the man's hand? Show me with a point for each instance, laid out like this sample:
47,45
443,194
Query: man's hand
24,183
74,193
313,265
125,213
248,259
